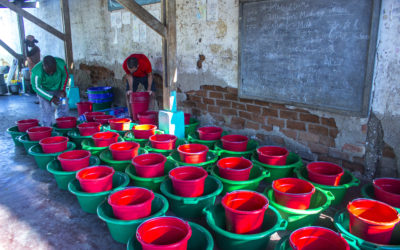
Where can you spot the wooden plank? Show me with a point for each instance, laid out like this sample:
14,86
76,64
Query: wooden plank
33,19
144,15
21,30
67,31
25,5
11,51
166,91
171,42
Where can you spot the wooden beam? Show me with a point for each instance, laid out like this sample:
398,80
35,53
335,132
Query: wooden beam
25,5
166,91
144,15
11,51
67,31
21,30
33,19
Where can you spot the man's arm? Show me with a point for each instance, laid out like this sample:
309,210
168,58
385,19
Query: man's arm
37,87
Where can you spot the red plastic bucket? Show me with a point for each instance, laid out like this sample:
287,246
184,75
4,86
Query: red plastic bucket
66,122
210,133
187,118
293,193
90,115
234,168
324,173
237,143
272,155
54,144
38,133
169,233
84,107
124,151
120,124
188,181
89,128
74,160
387,190
144,131
131,203
148,117
149,165
24,125
103,119
372,220
244,211
95,179
193,153
309,238
104,139
163,141
139,103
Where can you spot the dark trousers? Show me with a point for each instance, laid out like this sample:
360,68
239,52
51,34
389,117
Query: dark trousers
143,81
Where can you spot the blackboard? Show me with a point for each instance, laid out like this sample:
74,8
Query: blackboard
311,53
114,5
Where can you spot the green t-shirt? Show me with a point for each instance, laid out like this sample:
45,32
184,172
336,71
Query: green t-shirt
42,83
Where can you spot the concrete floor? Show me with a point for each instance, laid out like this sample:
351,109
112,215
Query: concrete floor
35,214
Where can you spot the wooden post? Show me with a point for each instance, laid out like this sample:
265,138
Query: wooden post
11,51
67,32
21,30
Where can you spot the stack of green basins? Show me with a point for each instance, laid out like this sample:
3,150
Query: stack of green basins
42,159
14,132
64,177
252,146
297,218
150,183
277,172
88,144
191,127
164,152
90,201
143,142
63,131
212,158
346,181
107,159
194,138
27,143
77,138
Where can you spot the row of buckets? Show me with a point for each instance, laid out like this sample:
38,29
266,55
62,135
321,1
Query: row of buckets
278,213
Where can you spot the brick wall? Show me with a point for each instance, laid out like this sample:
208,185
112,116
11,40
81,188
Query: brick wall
275,124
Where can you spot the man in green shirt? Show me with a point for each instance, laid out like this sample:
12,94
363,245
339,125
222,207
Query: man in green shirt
49,79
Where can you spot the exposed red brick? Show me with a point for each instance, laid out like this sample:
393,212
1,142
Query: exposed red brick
194,98
219,88
252,125
253,108
388,151
353,166
327,141
333,132
329,159
336,153
318,148
223,103
217,95
219,118
258,118
290,133
353,148
296,125
308,137
364,128
261,103
329,122
309,118
288,115
232,90
227,111
276,122
277,140
237,105
202,106
208,101
277,105
207,87
231,97
189,104
213,109
317,129
237,123
246,100
270,112
360,160
196,112
267,127
245,115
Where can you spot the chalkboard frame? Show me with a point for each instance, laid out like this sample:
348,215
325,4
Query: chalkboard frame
368,76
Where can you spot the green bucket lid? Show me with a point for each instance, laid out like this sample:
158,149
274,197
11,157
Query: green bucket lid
128,136
150,183
90,201
64,177
215,217
201,239
297,218
194,138
14,132
346,181
122,230
163,151
192,207
252,146
211,159
120,132
88,144
257,174
106,158
191,127
43,159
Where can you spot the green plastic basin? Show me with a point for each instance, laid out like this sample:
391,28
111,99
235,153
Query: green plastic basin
14,132
120,132
163,151
252,146
257,174
284,244
212,158
191,127
27,143
188,207
277,172
194,138
348,180
298,218
150,183
106,158
76,137
342,224
64,177
63,131
215,217
201,239
367,191
128,136
43,159
122,230
90,201
88,144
